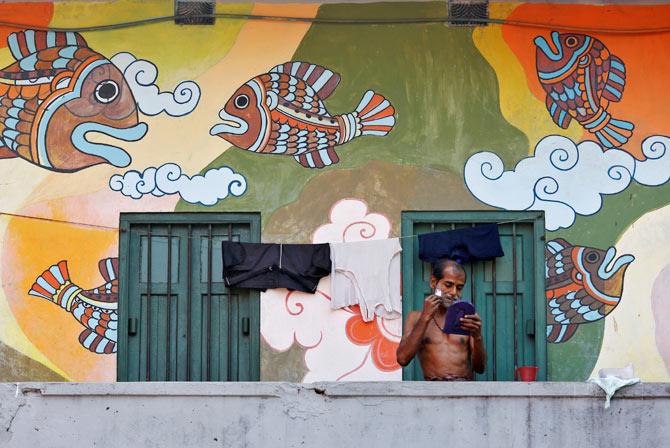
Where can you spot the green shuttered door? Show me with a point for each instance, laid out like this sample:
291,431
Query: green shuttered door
510,300
178,321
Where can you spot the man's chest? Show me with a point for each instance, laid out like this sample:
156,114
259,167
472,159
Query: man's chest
435,336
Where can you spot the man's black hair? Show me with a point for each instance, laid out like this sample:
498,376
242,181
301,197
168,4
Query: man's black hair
443,263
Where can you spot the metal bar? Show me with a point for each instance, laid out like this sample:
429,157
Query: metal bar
472,281
493,324
229,367
141,316
147,375
188,302
514,295
430,273
168,357
209,300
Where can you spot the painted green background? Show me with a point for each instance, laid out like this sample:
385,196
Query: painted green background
447,108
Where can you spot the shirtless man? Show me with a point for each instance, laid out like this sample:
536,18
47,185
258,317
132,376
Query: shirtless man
443,357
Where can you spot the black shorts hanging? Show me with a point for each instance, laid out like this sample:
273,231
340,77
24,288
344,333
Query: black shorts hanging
269,266
481,242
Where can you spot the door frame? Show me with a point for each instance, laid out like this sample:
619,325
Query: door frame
536,218
126,220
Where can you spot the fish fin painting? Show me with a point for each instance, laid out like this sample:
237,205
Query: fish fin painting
581,78
281,112
56,94
318,159
95,343
321,80
6,153
95,309
616,80
109,269
584,284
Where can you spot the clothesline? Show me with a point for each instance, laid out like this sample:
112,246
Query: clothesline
416,235
494,222
99,226
57,221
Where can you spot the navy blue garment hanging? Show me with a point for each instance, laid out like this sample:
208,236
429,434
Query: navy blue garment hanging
461,245
268,266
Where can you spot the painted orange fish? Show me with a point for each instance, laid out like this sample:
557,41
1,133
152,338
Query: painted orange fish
57,92
584,284
95,309
281,112
581,78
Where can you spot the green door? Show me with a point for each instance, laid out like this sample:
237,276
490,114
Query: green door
508,292
177,319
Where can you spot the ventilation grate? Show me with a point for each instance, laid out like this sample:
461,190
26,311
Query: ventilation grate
191,12
468,13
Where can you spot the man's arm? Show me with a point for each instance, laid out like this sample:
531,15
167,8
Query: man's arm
415,328
473,324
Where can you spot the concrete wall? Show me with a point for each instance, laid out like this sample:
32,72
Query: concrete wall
331,415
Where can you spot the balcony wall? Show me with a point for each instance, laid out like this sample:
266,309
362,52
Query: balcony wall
331,414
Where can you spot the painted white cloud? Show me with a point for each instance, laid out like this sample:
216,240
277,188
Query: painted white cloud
216,184
141,76
563,178
289,317
350,221
656,169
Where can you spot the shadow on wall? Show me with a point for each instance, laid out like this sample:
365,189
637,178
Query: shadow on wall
15,366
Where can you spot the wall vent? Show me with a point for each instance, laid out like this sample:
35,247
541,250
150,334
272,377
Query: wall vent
191,12
468,13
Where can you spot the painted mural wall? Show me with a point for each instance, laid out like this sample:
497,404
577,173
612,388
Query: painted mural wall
331,131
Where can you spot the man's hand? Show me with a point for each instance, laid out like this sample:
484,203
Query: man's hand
473,324
430,306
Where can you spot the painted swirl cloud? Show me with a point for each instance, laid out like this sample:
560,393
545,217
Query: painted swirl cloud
351,221
141,76
216,184
563,178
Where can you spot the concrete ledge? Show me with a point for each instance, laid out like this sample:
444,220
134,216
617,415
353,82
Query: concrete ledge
414,414
564,390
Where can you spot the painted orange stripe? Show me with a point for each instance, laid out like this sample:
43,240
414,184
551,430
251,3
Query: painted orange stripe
377,128
387,112
374,102
49,277
564,290
562,77
62,267
597,115
41,290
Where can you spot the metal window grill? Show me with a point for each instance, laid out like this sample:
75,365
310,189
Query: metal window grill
468,13
493,293
194,12
507,292
204,303
183,322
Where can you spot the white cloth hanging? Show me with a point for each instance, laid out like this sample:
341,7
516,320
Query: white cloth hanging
367,273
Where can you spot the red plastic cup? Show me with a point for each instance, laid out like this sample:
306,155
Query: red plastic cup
526,373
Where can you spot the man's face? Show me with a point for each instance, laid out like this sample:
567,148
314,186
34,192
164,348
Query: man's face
451,285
